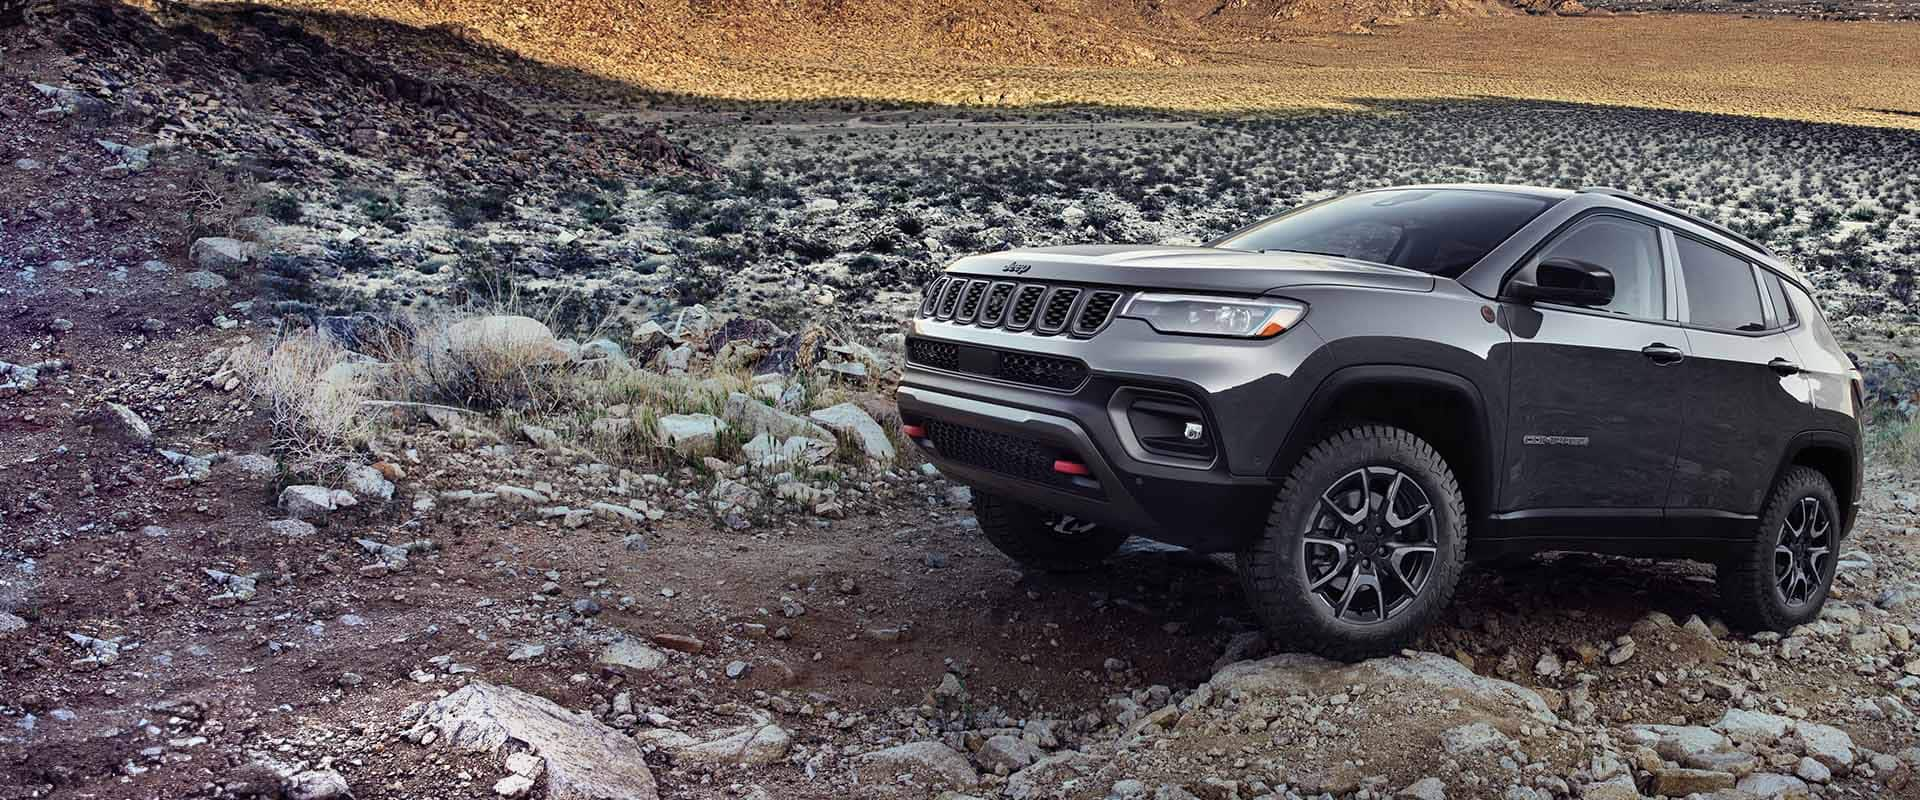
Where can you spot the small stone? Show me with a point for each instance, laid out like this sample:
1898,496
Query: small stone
322,784
738,669
1811,770
513,786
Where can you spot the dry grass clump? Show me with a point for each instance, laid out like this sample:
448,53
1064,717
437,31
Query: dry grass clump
328,401
317,391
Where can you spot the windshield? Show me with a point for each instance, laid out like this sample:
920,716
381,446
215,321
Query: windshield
1436,231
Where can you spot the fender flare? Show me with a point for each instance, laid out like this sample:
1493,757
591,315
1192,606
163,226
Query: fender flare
1484,441
1824,438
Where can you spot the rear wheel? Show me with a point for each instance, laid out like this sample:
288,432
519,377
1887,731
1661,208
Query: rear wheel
1044,540
1363,547
1782,577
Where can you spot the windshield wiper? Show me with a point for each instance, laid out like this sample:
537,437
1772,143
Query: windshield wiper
1306,252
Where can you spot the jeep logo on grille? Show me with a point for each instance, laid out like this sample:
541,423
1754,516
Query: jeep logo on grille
1017,268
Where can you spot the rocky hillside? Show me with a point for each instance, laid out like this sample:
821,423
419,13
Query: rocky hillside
385,416
619,37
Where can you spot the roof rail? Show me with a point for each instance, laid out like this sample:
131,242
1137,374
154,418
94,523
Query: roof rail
1695,219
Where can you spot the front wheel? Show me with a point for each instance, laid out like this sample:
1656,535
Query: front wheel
1781,578
1363,547
1041,539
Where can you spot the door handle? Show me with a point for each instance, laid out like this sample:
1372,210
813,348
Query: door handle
1783,367
1662,354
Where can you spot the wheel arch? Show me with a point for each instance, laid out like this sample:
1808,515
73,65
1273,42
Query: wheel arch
1832,454
1445,409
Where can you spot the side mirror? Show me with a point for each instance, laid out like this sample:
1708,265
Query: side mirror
1568,281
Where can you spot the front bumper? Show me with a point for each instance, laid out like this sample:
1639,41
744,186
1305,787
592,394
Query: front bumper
1003,438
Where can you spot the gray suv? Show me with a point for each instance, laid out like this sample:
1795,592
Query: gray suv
1359,394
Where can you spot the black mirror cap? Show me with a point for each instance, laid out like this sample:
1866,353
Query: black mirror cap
1568,281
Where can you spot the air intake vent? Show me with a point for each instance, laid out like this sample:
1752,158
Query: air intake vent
1059,306
1026,303
970,303
1094,313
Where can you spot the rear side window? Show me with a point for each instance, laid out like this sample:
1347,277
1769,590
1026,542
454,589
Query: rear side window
1721,292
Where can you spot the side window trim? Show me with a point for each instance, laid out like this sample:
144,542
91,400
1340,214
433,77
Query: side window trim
1670,255
1766,298
1682,308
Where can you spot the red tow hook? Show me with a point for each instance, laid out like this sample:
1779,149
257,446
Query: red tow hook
1071,468
914,431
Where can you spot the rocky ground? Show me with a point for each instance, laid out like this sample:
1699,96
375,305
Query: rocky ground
668,549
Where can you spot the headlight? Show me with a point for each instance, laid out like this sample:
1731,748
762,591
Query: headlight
1215,316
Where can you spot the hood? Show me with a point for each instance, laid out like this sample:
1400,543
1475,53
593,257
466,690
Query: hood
1197,269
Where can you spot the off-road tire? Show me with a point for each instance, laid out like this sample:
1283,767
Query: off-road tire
1028,535
1748,596
1273,566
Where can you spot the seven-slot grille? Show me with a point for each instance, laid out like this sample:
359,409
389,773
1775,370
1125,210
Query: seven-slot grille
1045,309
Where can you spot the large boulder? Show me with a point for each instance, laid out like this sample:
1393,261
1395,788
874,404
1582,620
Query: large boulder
754,417
221,255
855,424
584,759
124,424
928,762
757,743
1427,675
515,340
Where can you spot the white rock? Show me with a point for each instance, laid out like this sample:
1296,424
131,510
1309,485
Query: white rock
767,453
122,423
585,760
1005,754
319,784
220,254
307,502
1830,745
1752,725
516,340
752,416
627,652
691,435
926,760
366,481
1767,785
852,422
756,743
1425,789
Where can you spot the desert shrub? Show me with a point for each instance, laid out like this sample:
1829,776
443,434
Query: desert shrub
387,212
285,276
469,208
282,207
354,257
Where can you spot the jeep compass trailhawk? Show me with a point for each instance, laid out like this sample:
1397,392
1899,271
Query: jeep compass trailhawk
1359,394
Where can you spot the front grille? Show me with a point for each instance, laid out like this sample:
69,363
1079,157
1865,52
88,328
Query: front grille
996,304
1027,369
930,299
1053,316
1046,309
1094,312
970,302
1007,455
1026,301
